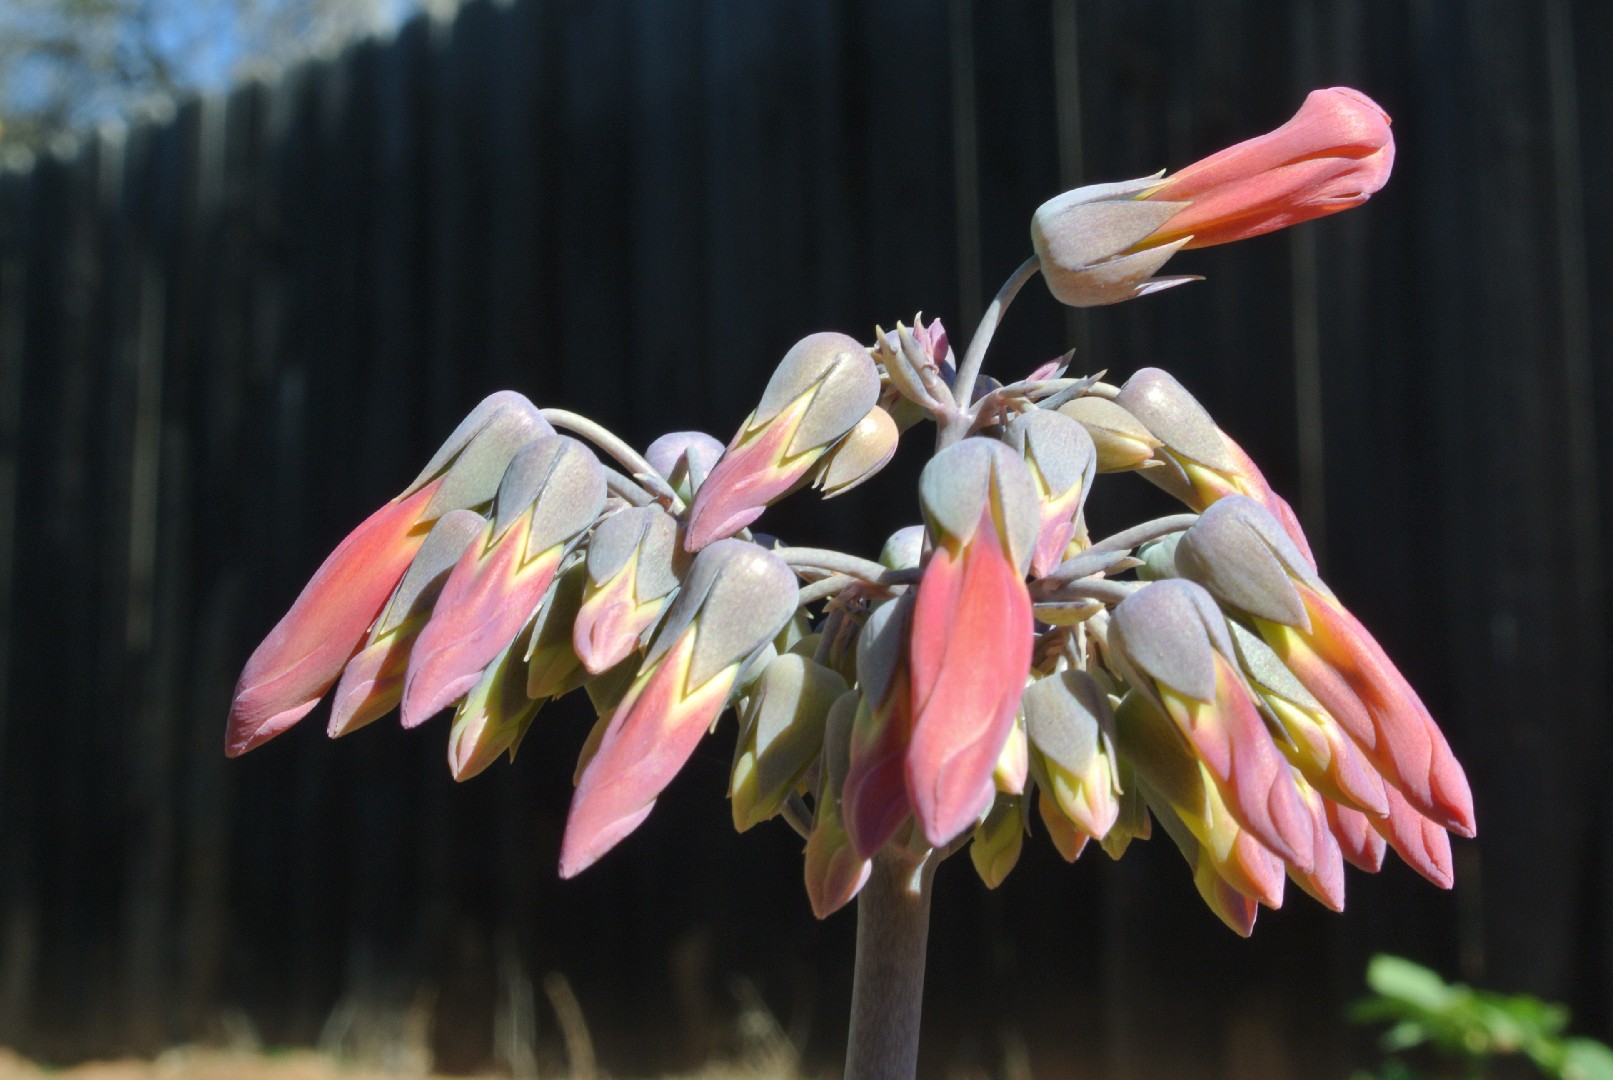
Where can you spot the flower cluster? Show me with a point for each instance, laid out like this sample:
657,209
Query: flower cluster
996,672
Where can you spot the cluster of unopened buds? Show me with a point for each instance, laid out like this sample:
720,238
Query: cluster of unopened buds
998,671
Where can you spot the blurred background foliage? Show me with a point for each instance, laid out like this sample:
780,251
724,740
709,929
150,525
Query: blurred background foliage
1468,1032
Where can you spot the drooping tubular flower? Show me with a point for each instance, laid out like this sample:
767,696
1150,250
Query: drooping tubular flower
1193,670
1239,552
1102,244
305,653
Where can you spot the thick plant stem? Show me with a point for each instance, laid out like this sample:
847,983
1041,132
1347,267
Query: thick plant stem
893,929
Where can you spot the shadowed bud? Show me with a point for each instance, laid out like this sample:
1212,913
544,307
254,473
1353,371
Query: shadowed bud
970,645
1237,550
1062,462
1333,154
904,548
684,459
553,668
866,449
1174,644
1065,717
824,385
736,599
1133,821
1120,440
1204,464
302,656
494,715
1087,243
781,737
550,494
998,840
633,566
372,683
874,800
1068,840
1232,905
835,873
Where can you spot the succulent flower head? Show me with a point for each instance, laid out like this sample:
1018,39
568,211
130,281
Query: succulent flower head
1237,551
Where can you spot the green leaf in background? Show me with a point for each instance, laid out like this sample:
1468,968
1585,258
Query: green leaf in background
1586,1059
1470,1027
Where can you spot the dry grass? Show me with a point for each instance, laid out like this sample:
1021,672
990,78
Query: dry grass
187,1063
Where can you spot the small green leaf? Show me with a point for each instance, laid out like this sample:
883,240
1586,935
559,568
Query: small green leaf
1395,977
1586,1059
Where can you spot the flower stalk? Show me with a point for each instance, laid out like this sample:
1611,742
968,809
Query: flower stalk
887,997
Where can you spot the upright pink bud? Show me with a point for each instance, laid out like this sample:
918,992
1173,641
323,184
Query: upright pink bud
971,640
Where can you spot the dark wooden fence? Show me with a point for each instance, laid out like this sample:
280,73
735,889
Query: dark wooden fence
224,338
